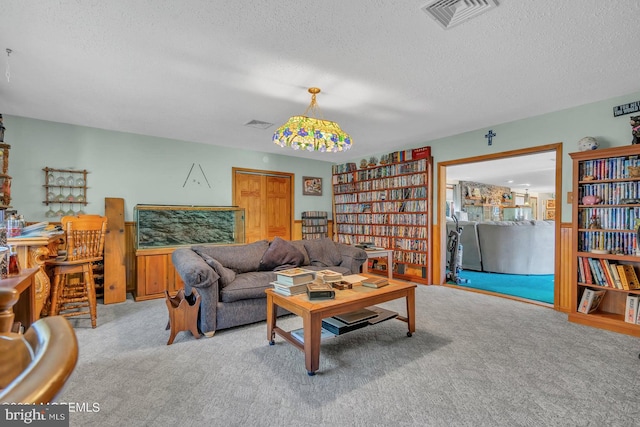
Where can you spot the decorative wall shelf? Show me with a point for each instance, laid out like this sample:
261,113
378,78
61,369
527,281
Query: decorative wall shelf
65,186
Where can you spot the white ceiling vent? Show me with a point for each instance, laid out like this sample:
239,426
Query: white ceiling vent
258,124
450,13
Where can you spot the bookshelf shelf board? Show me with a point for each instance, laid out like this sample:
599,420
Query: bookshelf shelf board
606,288
615,257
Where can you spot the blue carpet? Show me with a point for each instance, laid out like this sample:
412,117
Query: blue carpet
534,287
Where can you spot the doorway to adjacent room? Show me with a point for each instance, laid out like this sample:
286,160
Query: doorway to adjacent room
528,287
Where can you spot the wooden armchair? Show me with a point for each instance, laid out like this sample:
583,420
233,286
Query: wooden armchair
35,366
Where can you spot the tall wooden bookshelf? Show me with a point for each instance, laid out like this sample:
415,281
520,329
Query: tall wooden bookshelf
388,205
605,232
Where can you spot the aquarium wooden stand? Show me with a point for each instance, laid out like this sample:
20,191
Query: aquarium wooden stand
155,273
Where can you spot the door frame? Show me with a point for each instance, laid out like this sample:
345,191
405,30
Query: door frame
442,185
291,176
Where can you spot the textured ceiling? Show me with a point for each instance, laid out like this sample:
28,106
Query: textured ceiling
197,70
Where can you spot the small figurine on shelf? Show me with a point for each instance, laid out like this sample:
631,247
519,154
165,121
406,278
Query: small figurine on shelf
384,159
588,143
363,164
594,223
373,160
5,189
635,129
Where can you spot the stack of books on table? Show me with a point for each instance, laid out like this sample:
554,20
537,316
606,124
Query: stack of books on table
329,276
293,281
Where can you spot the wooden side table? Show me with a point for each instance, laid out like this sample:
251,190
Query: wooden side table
380,254
25,309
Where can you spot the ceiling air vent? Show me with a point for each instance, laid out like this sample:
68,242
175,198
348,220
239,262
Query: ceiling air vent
258,124
450,13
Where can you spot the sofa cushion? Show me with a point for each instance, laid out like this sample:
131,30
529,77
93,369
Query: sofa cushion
299,244
322,252
227,275
239,258
280,256
247,286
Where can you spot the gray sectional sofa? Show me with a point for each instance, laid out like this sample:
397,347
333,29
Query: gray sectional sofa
231,279
511,247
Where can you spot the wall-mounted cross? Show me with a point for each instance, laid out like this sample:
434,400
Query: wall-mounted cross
490,136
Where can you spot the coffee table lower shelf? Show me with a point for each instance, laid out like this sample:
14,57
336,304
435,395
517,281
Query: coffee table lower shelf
347,300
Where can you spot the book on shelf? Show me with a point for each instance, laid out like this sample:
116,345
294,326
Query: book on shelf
588,278
590,300
356,316
606,270
631,309
324,334
317,290
338,327
595,270
295,276
616,275
289,289
329,276
632,277
581,274
623,276
375,282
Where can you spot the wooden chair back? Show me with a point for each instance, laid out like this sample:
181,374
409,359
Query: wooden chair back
85,236
35,366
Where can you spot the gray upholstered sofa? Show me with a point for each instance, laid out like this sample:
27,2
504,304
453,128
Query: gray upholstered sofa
511,247
231,279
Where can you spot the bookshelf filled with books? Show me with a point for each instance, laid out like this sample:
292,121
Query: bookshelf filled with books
315,225
605,229
388,206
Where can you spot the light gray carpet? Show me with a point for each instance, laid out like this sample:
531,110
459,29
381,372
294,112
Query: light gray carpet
475,360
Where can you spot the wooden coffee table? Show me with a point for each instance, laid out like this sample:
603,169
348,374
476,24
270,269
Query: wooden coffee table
312,313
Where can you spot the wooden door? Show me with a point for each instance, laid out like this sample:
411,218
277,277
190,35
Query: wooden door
278,207
267,198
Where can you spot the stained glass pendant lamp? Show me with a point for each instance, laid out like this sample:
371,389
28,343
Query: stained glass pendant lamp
306,132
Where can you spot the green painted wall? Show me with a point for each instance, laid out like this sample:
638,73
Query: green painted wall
140,169
565,126
149,170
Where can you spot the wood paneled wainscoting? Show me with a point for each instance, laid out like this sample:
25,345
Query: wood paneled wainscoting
563,283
